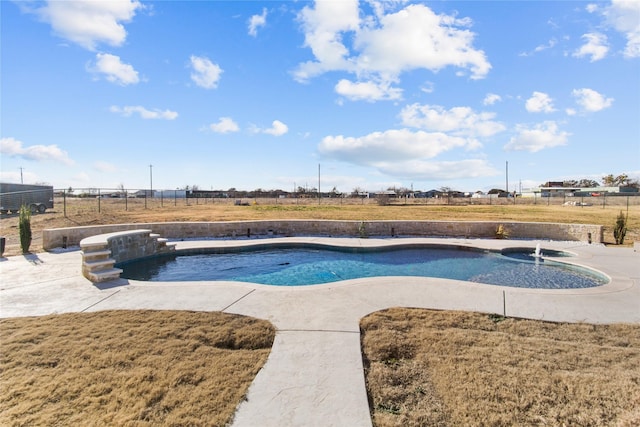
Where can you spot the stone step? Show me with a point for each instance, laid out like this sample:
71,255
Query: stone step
99,264
90,247
104,275
96,254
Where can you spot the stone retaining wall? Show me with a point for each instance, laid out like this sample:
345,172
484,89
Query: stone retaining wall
62,237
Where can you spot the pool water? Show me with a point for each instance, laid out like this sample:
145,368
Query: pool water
308,266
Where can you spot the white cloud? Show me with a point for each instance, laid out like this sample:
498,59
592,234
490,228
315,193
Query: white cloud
257,21
102,166
129,110
541,48
415,37
539,102
438,170
624,17
491,99
19,175
591,101
114,70
549,45
367,91
323,26
539,137
427,87
405,153
14,148
88,22
277,128
591,8
224,125
389,146
596,47
460,121
205,73
385,45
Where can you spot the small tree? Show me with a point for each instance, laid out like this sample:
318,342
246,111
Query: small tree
24,226
620,229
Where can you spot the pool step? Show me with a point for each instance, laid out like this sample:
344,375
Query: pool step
163,245
104,275
98,262
98,254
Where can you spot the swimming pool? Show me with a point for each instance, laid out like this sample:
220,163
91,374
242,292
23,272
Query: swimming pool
300,265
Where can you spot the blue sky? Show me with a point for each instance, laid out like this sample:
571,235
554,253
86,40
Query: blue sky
250,95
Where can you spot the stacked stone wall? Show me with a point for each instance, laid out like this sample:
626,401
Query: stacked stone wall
62,237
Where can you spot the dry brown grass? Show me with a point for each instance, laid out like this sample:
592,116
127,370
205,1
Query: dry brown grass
431,368
137,368
85,212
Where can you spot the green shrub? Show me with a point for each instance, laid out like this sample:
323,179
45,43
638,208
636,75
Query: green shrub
25,228
362,230
620,229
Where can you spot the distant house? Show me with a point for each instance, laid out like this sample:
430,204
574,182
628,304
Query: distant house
457,194
142,194
556,189
429,194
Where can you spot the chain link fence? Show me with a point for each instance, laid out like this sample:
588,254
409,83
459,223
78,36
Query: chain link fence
106,200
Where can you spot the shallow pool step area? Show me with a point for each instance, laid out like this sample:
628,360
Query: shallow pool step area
100,253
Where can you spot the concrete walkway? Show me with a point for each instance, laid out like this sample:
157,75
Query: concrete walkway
314,374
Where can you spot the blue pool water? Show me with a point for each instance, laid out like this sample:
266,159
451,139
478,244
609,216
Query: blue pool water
297,266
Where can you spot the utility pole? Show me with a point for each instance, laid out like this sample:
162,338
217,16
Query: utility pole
21,180
507,176
319,183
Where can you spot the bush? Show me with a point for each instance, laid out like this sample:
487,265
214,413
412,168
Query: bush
502,232
383,200
620,229
24,226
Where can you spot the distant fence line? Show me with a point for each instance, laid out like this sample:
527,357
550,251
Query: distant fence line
100,200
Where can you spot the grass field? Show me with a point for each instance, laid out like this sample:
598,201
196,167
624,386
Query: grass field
114,211
423,368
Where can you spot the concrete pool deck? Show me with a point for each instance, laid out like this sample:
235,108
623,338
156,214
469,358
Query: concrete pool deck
314,374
